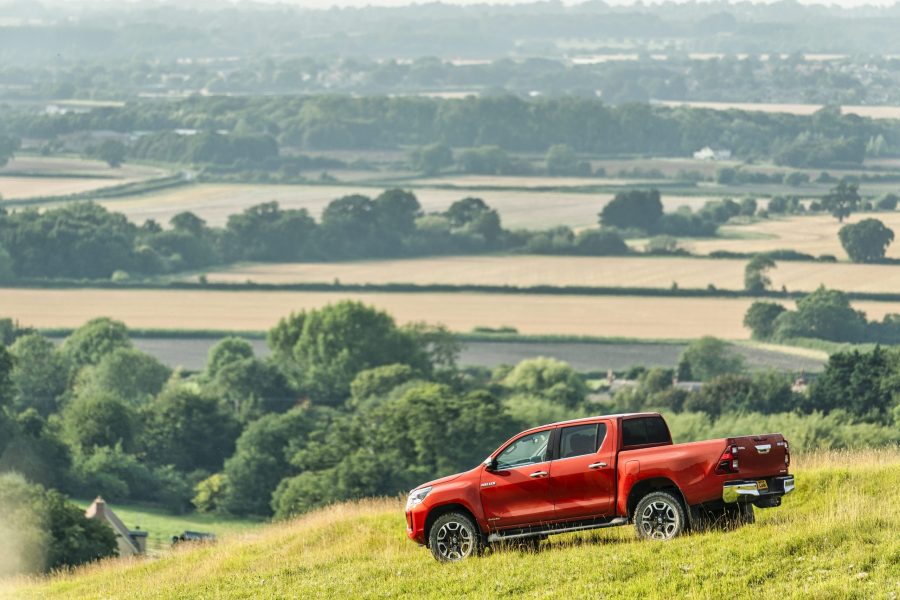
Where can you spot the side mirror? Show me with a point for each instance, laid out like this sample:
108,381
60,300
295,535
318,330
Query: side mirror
490,464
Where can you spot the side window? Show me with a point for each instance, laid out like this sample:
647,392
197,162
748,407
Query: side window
644,430
581,439
527,450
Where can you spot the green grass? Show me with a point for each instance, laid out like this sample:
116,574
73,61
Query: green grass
835,537
161,525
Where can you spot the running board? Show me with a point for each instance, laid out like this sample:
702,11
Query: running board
498,537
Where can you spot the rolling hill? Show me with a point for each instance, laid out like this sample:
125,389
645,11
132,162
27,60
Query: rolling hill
836,537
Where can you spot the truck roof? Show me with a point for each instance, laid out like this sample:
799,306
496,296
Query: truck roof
592,418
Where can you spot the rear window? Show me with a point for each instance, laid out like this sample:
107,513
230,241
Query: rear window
644,430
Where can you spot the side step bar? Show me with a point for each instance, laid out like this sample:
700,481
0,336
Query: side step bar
550,530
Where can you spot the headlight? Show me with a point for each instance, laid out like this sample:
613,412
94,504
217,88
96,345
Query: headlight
416,496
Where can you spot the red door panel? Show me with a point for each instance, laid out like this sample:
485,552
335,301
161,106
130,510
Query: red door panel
584,485
513,497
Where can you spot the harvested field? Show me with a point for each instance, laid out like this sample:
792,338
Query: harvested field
600,271
215,202
636,317
811,234
34,177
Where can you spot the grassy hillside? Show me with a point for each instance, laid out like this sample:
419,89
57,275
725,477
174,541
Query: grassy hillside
836,537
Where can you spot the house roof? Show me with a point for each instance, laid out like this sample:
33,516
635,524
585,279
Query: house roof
99,510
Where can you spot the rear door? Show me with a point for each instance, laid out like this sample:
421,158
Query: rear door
517,491
583,474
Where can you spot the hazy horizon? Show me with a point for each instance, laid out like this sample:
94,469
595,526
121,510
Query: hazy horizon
324,4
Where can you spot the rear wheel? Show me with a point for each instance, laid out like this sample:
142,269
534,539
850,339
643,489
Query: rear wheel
659,516
454,536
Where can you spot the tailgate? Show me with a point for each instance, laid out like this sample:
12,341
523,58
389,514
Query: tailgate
762,455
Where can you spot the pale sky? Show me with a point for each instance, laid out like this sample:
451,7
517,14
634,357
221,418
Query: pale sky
329,3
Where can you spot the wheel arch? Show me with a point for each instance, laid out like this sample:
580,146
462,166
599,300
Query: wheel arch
438,511
654,484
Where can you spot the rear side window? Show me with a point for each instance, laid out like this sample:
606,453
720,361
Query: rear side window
581,439
644,430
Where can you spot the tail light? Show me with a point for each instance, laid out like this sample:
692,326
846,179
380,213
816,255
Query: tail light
728,462
787,454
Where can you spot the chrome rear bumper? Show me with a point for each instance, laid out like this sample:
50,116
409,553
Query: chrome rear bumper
732,491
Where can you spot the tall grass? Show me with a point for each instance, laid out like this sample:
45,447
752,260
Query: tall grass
835,537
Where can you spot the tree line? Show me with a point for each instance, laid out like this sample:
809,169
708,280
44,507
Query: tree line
510,123
86,241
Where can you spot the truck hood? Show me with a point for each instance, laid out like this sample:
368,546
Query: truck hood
434,482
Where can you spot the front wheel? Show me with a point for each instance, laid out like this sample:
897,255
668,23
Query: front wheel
659,516
454,536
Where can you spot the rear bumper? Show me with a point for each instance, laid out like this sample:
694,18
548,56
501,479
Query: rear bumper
749,490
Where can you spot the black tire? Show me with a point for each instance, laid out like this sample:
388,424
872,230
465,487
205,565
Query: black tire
659,516
454,536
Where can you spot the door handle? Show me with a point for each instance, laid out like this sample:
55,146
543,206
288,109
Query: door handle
597,465
537,474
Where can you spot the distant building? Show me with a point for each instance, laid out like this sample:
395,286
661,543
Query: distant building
131,543
710,154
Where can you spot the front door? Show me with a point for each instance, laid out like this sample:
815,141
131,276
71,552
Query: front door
583,477
516,492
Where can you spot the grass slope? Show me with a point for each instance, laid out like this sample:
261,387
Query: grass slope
833,538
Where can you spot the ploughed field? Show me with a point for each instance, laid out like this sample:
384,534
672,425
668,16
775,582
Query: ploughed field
562,271
835,537
193,353
606,316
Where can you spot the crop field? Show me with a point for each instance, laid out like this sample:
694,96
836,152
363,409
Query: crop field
599,271
215,202
834,537
872,112
811,234
33,177
602,316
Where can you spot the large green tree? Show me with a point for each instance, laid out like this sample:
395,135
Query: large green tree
824,314
756,278
188,430
708,357
842,200
635,209
866,241
760,319
40,376
326,348
88,344
128,373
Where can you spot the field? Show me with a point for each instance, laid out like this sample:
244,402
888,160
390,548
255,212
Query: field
873,112
161,525
609,316
835,537
811,234
27,177
583,355
215,202
527,271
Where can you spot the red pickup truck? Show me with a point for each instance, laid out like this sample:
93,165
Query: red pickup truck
597,472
